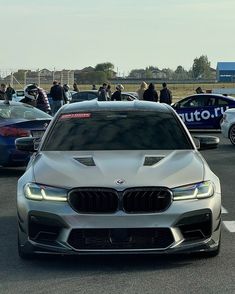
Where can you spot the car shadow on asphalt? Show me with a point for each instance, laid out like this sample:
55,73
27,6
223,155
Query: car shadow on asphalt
11,172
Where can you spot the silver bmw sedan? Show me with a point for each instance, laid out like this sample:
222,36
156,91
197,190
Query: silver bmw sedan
117,177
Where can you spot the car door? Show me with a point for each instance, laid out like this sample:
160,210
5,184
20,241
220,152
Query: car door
197,111
221,105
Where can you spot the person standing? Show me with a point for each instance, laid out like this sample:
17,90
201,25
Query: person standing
150,94
37,97
140,91
67,93
109,92
30,95
10,91
3,94
102,93
58,97
117,95
42,101
165,95
75,87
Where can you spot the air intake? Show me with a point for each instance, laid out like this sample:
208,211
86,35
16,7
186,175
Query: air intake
88,161
151,160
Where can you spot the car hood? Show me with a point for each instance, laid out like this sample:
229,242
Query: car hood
105,168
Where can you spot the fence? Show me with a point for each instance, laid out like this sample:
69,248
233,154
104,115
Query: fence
41,77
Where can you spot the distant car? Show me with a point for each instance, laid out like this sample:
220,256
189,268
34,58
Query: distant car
19,95
228,125
68,95
117,177
203,111
93,94
19,120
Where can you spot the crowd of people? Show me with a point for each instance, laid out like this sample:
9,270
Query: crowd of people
144,92
59,95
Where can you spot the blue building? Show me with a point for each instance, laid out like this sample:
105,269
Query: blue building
225,72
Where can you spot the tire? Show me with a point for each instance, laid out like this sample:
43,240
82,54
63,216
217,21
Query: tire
231,134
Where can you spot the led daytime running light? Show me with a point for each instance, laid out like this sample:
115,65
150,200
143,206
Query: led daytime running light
41,192
194,191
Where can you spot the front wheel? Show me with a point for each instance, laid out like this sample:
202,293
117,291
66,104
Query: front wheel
232,134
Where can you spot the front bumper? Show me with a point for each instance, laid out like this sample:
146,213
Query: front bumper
55,228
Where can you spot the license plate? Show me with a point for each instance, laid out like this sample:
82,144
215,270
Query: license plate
37,133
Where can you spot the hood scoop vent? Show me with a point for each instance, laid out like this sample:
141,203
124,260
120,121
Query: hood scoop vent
151,160
88,161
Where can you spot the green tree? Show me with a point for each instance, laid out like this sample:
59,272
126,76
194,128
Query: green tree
180,73
148,73
107,68
168,73
201,68
92,77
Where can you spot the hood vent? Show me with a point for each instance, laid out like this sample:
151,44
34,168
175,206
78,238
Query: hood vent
88,161
151,160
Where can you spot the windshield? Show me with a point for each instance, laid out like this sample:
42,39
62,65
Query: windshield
8,111
133,130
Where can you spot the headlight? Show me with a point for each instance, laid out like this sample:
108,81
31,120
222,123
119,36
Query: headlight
194,191
41,192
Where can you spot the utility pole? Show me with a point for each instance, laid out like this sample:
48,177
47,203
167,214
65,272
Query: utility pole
25,74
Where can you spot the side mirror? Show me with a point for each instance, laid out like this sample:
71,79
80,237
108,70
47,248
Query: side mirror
26,144
197,143
207,142
175,105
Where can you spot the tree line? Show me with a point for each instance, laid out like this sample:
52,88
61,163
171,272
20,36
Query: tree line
201,69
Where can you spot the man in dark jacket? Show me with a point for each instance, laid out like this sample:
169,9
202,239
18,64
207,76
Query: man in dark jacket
58,97
102,92
3,94
10,91
165,95
150,94
117,95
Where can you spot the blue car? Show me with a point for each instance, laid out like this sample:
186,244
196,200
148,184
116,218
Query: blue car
203,111
19,120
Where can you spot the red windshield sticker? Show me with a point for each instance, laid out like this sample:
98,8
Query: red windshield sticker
75,115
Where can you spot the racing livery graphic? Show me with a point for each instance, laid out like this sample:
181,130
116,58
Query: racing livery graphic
203,111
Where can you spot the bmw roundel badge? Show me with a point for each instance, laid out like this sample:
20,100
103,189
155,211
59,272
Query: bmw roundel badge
120,181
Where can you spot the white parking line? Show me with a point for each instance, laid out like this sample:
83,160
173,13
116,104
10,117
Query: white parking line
230,226
224,210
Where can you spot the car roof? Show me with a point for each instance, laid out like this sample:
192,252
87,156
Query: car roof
94,105
86,91
96,91
210,94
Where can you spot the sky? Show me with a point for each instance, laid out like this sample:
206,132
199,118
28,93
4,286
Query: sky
131,34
